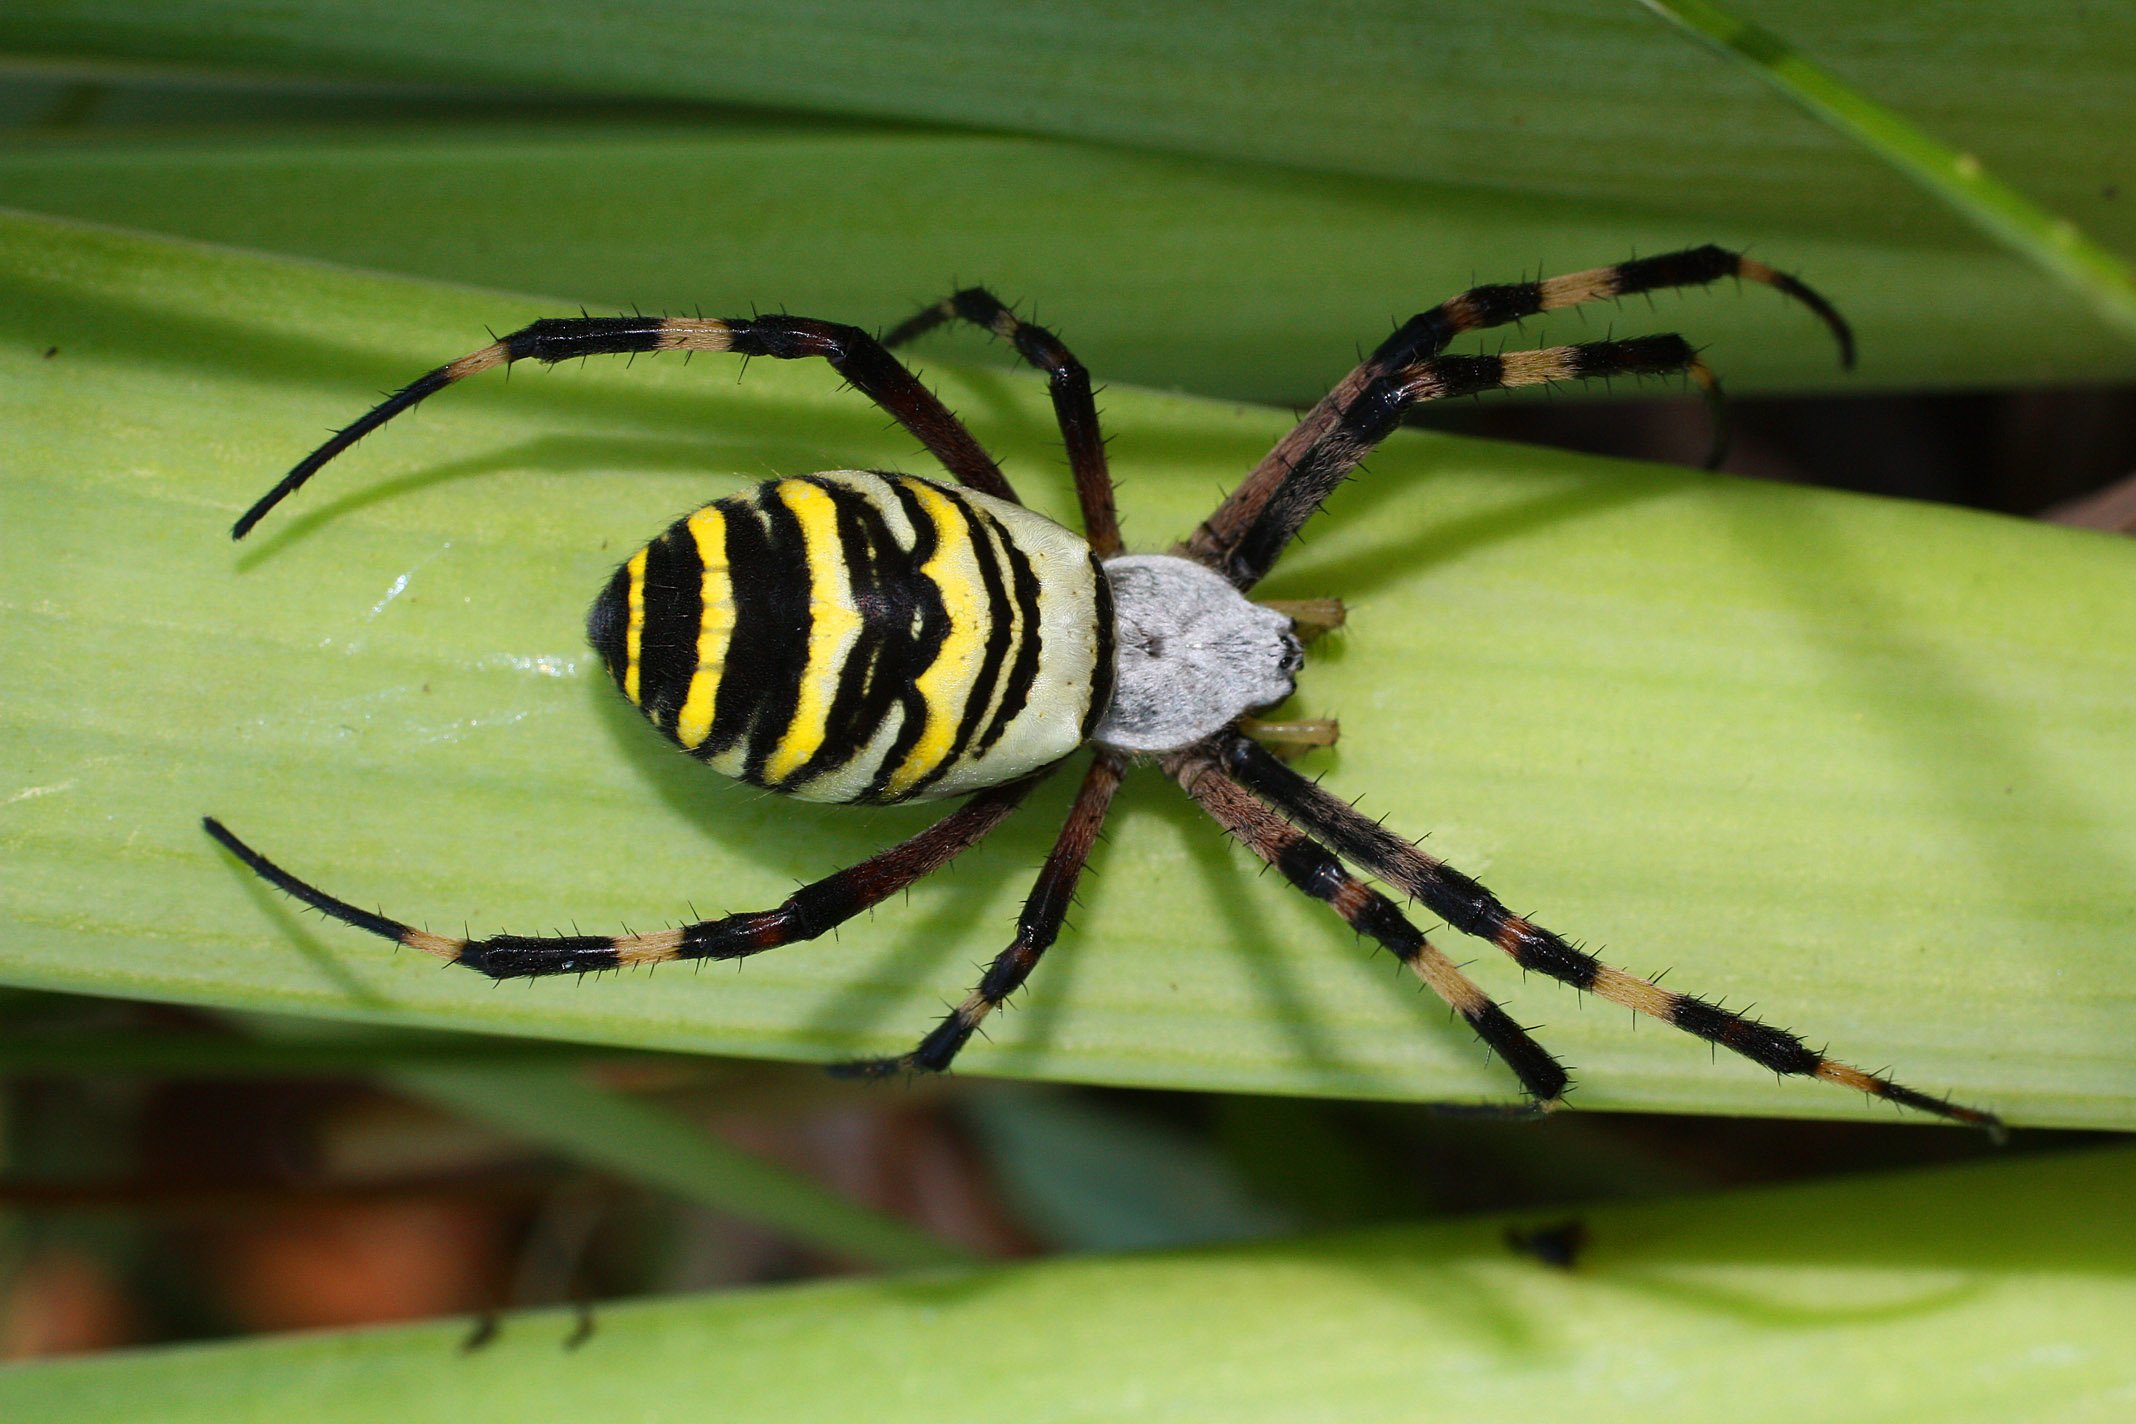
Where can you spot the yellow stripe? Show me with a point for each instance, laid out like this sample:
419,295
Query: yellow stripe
708,527
634,634
833,626
946,684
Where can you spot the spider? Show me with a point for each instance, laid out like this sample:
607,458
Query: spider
876,637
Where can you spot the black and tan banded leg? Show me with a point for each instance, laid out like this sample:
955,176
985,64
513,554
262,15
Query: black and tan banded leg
807,913
1246,533
1468,907
1312,868
854,354
1036,929
1074,406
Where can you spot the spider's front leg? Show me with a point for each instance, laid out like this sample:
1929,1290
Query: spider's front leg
848,350
1254,524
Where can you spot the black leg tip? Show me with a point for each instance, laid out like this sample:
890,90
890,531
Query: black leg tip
869,1070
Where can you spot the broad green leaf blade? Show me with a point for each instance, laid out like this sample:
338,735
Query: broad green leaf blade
1229,280
1970,1296
1862,762
1562,99
1957,180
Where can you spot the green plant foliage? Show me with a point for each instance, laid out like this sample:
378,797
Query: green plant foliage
1956,179
1575,102
1970,1296
1221,278
1863,762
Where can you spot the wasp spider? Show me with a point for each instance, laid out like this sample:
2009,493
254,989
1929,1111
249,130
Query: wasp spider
865,636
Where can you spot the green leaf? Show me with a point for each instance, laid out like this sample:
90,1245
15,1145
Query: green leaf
1225,279
1956,179
1865,763
1969,1295
1559,99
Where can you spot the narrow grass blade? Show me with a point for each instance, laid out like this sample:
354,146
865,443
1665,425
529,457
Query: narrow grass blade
1955,178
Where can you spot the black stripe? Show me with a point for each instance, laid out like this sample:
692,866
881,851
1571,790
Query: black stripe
1310,868
521,956
783,653
983,532
1469,375
1638,355
1423,335
1502,303
1691,268
1540,1074
878,582
752,575
1771,1047
1102,670
1382,919
1029,644
1540,950
912,649
674,614
562,338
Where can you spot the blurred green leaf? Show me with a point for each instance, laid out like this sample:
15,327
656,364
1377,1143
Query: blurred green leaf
1970,1296
1865,763
1561,99
1220,278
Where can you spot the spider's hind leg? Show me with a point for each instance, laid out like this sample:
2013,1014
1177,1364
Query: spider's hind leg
808,912
1471,909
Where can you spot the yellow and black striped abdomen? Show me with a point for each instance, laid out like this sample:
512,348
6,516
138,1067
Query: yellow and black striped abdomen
852,636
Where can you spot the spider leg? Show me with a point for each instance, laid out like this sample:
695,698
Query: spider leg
1471,909
850,351
1073,405
1251,527
805,914
1313,869
1036,929
1379,409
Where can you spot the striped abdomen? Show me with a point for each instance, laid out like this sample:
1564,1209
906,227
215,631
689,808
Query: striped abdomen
851,636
